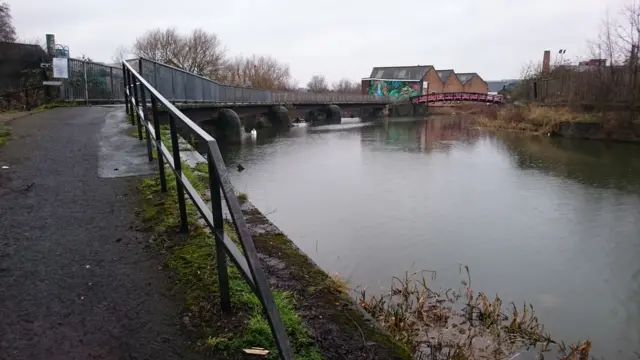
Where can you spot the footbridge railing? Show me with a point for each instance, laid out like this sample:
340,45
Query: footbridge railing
178,85
143,102
458,96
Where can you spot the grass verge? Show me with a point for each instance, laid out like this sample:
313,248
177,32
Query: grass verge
56,104
192,258
5,134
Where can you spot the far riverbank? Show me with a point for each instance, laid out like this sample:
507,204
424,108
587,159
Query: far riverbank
562,121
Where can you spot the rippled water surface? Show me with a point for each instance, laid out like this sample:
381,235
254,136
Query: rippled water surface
554,222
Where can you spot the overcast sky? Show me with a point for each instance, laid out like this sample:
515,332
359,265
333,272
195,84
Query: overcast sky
339,39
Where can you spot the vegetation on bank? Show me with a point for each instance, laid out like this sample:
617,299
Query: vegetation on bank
534,119
192,257
458,324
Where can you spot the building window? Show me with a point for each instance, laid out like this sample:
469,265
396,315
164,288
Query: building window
379,74
401,74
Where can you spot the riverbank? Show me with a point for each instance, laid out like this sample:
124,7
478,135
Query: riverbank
560,121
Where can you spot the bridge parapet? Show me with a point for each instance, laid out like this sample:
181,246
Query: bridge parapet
178,85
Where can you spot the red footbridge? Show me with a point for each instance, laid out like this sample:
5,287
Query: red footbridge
457,96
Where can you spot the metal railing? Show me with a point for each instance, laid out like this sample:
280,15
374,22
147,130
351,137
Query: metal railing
99,83
457,96
137,92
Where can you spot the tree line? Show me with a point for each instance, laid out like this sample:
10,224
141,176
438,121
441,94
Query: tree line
202,52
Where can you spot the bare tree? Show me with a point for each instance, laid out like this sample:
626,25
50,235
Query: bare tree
346,86
120,54
317,84
260,72
199,52
7,31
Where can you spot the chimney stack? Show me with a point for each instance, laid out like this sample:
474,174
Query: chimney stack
546,62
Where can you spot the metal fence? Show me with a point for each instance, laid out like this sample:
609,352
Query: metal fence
246,259
93,82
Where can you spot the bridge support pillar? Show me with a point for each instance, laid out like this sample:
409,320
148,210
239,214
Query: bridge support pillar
420,109
333,114
229,126
254,121
279,117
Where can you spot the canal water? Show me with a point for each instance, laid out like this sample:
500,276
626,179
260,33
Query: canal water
554,222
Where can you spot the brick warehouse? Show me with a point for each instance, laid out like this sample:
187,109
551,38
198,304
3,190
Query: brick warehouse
408,81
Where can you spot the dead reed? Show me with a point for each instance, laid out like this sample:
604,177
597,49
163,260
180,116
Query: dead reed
458,324
535,119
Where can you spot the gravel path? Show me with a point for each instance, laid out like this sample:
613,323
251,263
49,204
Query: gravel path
75,279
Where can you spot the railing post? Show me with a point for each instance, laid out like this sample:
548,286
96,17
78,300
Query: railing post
177,164
218,224
155,75
136,108
158,141
126,89
145,118
130,89
173,86
86,83
111,76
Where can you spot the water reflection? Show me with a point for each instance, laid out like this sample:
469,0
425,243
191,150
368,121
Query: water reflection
550,221
440,133
594,163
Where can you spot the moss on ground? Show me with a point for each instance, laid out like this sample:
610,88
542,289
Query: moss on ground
56,104
192,257
5,134
243,198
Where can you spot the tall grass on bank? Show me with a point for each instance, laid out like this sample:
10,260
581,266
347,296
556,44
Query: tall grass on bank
454,324
535,119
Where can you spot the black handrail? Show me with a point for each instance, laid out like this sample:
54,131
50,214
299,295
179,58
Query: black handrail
246,261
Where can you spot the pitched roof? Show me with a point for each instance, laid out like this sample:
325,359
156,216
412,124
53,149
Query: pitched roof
444,74
465,77
400,72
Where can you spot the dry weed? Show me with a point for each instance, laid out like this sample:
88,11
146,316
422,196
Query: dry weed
458,324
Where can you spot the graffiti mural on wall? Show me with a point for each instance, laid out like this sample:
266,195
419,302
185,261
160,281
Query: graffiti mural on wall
397,89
